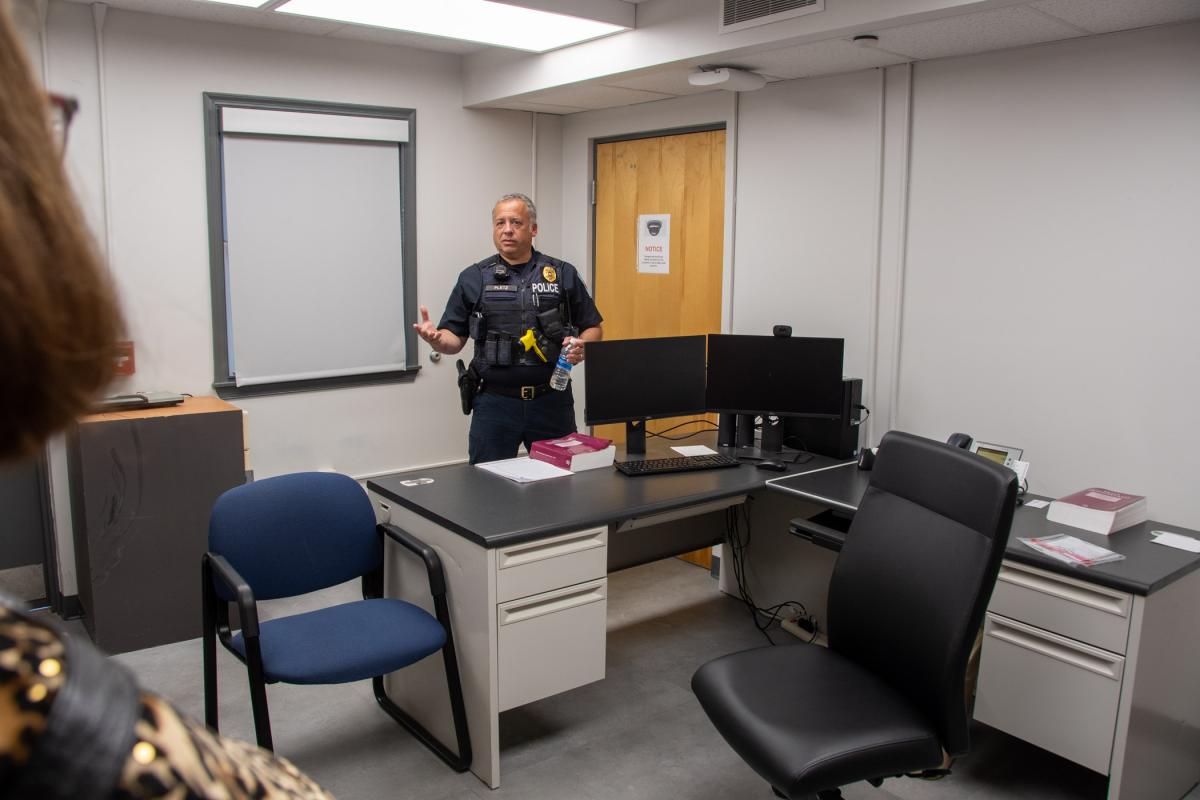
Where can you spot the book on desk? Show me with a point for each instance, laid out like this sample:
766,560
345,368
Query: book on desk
1099,510
576,452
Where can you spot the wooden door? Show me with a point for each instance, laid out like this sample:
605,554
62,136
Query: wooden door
682,175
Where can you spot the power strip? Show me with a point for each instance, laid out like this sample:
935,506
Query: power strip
798,627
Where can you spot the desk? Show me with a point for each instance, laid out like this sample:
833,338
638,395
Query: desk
1096,664
526,566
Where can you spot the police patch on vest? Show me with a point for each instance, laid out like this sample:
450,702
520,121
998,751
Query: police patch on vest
546,288
548,273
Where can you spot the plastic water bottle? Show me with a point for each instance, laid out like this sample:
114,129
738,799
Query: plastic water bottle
562,370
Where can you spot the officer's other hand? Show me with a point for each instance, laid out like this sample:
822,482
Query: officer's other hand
427,330
575,353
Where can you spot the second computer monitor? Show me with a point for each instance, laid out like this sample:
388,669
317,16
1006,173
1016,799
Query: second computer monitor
782,376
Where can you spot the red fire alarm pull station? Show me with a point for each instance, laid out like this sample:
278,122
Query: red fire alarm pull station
123,359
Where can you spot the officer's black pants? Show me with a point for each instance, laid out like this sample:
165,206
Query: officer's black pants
499,424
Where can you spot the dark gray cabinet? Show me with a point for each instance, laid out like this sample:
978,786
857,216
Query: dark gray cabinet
142,486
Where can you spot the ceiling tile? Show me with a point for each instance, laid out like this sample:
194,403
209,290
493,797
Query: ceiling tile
1014,26
541,108
820,58
591,96
669,80
1103,16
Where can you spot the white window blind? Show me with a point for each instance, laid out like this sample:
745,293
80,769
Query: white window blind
314,258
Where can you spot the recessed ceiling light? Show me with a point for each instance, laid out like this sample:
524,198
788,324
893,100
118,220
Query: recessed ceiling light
472,20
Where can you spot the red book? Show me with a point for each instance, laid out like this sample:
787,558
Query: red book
1099,510
575,452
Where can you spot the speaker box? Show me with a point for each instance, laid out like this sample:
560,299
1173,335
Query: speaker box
837,438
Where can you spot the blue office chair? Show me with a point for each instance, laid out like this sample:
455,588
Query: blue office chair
294,534
906,600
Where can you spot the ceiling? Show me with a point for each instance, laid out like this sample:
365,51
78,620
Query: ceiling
1012,25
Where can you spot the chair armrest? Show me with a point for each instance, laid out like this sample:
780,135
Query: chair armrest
433,563
223,572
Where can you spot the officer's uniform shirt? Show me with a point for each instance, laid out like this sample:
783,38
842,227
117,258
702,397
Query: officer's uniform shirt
466,295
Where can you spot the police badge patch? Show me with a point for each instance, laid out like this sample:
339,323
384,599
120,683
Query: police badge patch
548,273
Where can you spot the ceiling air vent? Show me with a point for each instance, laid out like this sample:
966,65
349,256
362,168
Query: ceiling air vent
739,14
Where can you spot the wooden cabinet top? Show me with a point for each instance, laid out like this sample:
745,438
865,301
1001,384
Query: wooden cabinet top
190,405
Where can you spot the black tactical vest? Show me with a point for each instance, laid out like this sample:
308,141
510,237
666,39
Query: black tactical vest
511,304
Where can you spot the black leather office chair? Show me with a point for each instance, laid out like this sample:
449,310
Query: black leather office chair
906,600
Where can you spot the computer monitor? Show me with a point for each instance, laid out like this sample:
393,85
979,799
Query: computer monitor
634,380
775,376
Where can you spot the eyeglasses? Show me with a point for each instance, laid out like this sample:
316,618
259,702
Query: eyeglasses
62,110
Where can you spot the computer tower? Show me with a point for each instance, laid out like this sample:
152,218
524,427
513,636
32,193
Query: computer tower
837,438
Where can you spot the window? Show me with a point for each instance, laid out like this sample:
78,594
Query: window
312,244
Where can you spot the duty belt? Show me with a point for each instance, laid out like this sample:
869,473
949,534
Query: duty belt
523,392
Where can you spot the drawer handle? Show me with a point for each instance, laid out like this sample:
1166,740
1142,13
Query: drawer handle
1109,604
539,551
587,594
1056,650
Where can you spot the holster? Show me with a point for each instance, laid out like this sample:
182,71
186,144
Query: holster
468,385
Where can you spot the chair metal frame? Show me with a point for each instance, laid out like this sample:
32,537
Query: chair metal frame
216,620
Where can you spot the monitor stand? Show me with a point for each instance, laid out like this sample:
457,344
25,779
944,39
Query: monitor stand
635,437
726,429
772,434
745,430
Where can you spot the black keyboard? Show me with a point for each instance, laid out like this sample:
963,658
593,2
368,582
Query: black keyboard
659,466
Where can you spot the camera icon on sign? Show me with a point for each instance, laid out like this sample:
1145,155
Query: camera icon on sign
654,226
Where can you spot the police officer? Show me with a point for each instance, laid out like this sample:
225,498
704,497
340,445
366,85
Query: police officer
520,308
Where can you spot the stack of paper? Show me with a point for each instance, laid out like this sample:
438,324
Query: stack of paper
523,469
1072,550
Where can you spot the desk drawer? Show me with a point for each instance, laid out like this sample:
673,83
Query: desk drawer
1056,693
535,567
551,642
1076,609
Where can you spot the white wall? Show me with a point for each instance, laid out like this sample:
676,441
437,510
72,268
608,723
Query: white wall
1013,254
155,70
1052,266
807,188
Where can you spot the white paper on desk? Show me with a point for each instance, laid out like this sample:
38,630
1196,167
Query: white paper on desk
1036,503
1176,540
524,469
694,450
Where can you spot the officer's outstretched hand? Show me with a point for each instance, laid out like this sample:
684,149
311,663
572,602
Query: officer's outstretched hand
427,330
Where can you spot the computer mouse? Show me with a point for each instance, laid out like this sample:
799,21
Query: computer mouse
774,466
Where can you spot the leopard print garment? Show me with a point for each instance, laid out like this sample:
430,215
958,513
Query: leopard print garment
173,757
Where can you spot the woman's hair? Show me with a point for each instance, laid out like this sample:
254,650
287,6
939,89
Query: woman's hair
58,315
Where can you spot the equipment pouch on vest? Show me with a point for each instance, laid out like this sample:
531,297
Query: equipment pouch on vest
551,324
498,349
551,332
477,325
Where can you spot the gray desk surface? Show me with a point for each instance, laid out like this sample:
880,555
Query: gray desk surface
1147,567
493,511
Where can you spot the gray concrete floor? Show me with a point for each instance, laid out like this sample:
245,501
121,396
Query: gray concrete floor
637,734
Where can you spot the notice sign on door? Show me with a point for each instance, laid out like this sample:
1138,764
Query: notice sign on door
654,243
